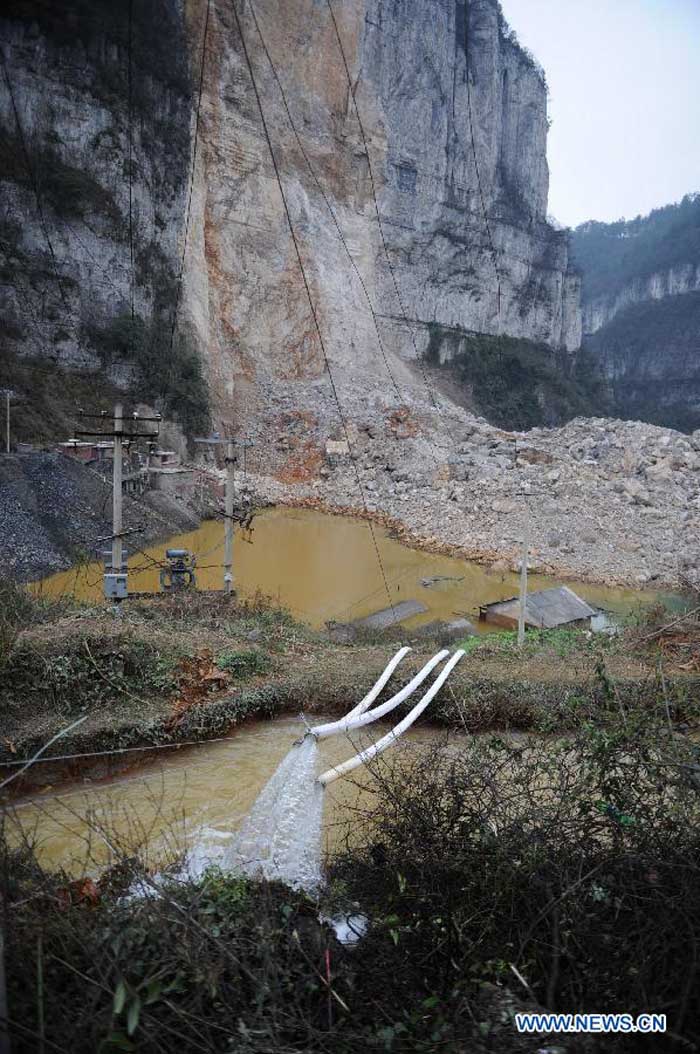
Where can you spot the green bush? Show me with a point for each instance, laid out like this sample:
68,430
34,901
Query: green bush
93,673
19,610
567,860
73,192
69,191
216,964
503,875
244,664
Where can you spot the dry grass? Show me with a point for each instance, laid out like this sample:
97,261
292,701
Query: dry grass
130,676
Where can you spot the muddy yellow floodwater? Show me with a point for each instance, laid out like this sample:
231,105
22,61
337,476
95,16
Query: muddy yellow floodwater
324,567
190,800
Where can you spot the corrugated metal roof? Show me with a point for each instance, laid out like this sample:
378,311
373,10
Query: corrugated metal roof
545,609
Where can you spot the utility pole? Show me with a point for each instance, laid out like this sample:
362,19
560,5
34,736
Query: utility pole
231,515
9,394
228,523
115,578
117,496
523,579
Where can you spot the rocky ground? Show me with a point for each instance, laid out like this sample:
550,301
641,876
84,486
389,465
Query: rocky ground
610,501
53,511
607,500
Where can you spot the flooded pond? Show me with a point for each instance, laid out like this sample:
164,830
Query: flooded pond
323,567
193,799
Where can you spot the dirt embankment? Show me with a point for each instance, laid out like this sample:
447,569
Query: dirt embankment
54,511
172,671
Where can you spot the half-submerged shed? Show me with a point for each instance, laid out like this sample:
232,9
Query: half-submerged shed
545,609
377,622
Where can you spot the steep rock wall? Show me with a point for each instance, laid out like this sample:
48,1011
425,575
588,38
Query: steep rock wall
458,218
599,311
64,124
454,148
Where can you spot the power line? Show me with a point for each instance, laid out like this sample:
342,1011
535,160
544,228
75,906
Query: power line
188,209
308,293
130,160
32,177
72,233
144,776
133,499
37,757
101,267
327,202
487,225
108,753
399,298
129,497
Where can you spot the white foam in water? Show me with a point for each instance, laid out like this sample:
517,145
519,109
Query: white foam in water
281,836
210,849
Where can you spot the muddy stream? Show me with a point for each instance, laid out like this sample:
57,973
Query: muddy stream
190,800
321,568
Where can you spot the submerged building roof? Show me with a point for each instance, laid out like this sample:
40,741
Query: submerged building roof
391,616
545,609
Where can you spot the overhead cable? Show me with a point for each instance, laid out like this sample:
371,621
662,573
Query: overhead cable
307,289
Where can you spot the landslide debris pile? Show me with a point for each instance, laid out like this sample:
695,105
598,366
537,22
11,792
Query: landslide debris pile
611,500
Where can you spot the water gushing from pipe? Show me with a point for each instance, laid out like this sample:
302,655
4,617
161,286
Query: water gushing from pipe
281,836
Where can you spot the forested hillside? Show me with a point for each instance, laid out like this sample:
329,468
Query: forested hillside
612,255
641,311
651,353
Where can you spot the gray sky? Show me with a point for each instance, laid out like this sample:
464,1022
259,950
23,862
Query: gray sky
624,78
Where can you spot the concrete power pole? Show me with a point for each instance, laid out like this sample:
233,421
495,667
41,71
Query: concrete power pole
117,497
8,394
523,580
230,459
228,522
115,581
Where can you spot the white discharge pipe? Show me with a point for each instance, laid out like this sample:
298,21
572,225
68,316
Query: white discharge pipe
357,719
379,747
375,691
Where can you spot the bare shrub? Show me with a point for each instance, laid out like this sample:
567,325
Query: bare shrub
569,863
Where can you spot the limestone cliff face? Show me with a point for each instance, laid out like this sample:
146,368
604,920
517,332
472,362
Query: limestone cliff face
674,281
64,231
458,217
455,122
